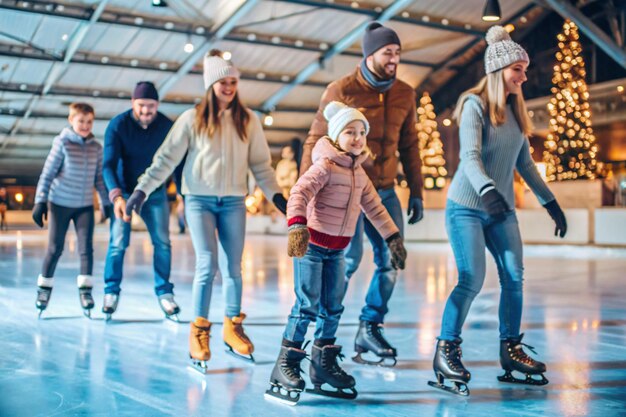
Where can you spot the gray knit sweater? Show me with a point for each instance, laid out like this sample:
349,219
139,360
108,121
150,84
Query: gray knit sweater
72,169
491,158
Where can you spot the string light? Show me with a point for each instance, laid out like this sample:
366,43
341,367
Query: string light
430,145
570,147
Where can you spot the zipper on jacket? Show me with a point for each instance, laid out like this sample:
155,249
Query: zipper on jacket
380,175
352,187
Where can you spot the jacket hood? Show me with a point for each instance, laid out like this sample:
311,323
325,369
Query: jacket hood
324,149
68,133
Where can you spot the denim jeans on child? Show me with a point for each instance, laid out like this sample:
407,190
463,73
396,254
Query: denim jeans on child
155,214
384,279
471,231
319,283
226,215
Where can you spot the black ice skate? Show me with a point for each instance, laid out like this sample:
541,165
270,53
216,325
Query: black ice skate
325,370
370,338
513,358
169,307
109,305
86,300
286,384
447,365
43,298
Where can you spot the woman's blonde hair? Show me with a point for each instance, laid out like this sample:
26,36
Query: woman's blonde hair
492,93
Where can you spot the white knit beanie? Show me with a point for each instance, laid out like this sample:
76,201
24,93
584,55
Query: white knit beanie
339,115
217,68
501,50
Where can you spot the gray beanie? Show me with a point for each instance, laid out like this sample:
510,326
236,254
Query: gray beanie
501,50
376,36
339,115
217,68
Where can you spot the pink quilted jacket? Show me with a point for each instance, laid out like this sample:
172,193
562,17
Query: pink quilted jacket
332,193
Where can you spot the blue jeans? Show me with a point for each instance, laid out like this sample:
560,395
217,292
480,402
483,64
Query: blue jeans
471,231
155,214
319,285
207,215
384,278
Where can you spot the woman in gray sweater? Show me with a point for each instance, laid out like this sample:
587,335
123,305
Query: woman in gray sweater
494,129
72,169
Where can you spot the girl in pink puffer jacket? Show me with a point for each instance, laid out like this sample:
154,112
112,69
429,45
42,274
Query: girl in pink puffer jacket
322,212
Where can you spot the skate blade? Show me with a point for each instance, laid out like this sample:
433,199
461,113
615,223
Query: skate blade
274,393
199,366
529,380
173,317
344,394
383,362
248,358
107,317
87,314
39,315
459,388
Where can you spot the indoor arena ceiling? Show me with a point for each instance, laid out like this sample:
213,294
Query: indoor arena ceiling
52,53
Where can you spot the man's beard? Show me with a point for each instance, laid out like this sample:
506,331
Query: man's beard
379,71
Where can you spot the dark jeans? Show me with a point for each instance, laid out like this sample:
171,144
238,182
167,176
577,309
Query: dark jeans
59,219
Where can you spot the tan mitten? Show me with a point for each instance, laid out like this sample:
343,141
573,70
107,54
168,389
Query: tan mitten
298,241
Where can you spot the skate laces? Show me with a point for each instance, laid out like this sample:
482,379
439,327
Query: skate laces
454,355
519,354
168,304
376,330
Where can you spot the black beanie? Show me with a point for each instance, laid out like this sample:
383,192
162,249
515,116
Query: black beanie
145,89
376,36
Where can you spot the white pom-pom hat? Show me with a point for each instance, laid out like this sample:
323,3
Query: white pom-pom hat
339,115
501,50
217,68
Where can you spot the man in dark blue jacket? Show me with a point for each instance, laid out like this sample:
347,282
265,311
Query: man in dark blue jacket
131,140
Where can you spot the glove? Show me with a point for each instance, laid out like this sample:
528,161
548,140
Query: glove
135,201
494,204
298,241
558,216
398,252
280,202
40,213
415,210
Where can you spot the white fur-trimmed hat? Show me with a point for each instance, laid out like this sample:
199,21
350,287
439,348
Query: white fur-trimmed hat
217,68
339,115
502,51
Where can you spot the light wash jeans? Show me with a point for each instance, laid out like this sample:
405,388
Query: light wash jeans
155,213
208,218
319,284
384,279
471,231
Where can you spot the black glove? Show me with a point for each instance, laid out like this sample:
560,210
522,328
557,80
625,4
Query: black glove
494,204
558,216
135,201
107,212
280,202
415,210
40,213
398,252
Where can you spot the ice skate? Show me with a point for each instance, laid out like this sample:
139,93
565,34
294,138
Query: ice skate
109,305
286,384
169,307
325,370
199,350
370,338
44,291
85,285
237,342
43,298
513,358
447,365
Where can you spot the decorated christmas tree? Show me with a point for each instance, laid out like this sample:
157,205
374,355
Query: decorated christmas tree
570,147
431,148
